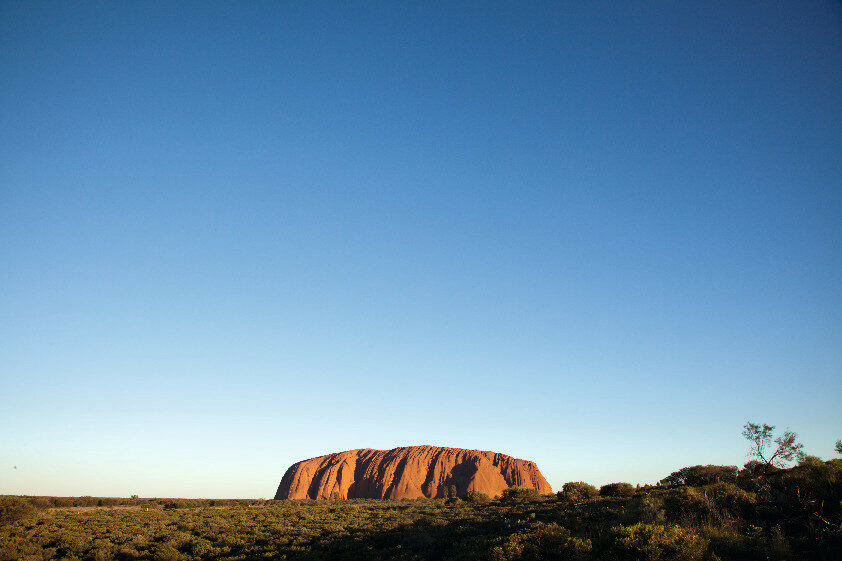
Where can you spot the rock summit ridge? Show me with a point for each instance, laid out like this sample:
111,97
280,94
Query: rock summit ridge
408,472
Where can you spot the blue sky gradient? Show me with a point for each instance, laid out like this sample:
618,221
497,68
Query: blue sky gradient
600,236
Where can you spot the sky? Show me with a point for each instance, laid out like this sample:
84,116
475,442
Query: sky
597,235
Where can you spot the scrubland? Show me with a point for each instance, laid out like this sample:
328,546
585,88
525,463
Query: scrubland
698,513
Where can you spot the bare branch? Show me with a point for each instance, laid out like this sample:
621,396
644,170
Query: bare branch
760,436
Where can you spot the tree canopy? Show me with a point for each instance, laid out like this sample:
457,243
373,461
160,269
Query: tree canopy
786,449
701,475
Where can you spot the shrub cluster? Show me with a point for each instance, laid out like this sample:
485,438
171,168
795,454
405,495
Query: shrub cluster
542,541
577,491
14,508
476,497
701,475
771,515
519,494
617,490
656,542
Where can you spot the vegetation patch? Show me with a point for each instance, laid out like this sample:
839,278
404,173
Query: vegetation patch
763,512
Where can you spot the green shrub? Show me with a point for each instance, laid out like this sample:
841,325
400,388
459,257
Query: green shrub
753,469
577,491
40,503
648,508
655,542
717,504
689,505
14,508
449,492
542,541
166,552
519,494
198,547
728,497
701,475
476,497
102,554
617,490
815,485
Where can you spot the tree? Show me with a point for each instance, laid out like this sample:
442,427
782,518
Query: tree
448,492
621,489
787,446
577,491
839,446
701,475
519,494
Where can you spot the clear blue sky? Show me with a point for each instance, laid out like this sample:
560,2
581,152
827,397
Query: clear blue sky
601,236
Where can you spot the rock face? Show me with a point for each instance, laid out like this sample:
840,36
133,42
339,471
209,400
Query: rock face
407,473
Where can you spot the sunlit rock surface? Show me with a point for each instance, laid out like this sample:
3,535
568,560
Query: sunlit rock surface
407,473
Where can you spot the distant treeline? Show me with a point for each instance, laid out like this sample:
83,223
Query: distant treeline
41,502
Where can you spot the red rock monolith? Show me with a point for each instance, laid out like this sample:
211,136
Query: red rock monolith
407,473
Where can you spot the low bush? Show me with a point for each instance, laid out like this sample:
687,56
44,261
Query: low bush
476,497
577,491
689,506
13,509
729,498
815,485
617,490
701,475
654,542
717,504
519,494
542,541
747,477
649,508
166,552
